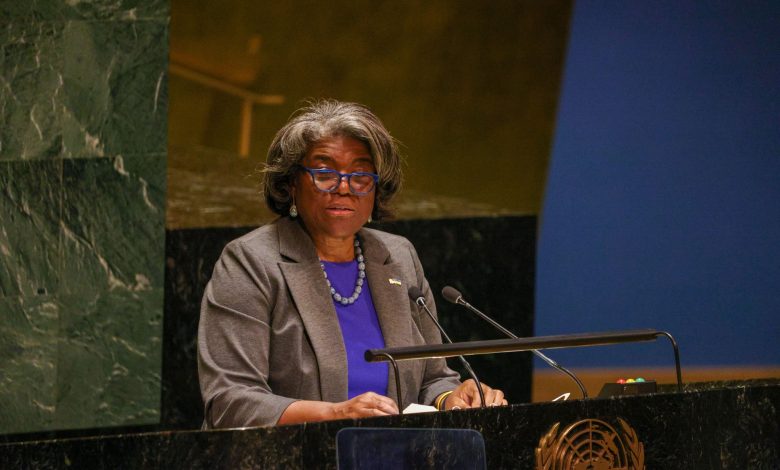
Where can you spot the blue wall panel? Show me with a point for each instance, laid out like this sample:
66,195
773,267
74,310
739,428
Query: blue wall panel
662,206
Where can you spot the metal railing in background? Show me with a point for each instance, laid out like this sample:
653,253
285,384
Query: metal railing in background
248,100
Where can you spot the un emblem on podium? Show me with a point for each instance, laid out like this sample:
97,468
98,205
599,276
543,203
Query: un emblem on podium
590,444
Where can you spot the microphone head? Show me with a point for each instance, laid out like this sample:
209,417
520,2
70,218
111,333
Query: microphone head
451,294
415,293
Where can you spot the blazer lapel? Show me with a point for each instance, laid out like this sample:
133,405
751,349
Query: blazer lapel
389,292
303,276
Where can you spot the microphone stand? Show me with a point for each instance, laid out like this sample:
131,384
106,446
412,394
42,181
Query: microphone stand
527,344
397,377
421,302
448,292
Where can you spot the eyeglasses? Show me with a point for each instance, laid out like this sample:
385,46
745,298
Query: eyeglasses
327,180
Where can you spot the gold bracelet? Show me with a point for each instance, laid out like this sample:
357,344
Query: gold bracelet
441,399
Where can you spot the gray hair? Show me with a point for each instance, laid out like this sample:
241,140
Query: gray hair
324,119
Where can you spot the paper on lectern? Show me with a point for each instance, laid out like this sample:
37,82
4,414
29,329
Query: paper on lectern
415,408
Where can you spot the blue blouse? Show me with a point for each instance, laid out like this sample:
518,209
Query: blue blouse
360,329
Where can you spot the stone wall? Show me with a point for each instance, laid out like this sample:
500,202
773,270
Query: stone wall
83,137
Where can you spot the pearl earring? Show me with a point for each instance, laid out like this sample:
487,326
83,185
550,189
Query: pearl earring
293,211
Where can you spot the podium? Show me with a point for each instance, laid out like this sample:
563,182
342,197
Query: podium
400,448
712,425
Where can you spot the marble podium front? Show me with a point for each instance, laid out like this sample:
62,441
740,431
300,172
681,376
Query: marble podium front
726,426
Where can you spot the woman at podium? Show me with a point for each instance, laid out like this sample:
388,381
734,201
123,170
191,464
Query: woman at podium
292,306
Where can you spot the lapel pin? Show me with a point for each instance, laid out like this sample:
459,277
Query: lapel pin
394,281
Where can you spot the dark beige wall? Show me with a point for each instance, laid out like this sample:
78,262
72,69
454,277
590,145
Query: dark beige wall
470,88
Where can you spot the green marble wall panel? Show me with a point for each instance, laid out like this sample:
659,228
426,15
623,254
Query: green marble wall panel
109,352
83,111
28,362
60,10
65,92
30,199
115,98
113,233
30,64
109,356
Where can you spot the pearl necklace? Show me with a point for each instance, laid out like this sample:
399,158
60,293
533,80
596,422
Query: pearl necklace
358,284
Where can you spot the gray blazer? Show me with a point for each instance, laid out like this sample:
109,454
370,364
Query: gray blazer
269,334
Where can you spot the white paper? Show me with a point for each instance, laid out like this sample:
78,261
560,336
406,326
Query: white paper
415,408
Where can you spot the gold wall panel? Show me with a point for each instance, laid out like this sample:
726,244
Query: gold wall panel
469,88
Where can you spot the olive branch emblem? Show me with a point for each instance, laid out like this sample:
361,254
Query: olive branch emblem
590,442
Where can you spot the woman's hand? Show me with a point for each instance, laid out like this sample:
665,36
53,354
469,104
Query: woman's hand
467,396
365,405
362,406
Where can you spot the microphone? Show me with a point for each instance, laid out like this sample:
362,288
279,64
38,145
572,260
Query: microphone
453,295
417,297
